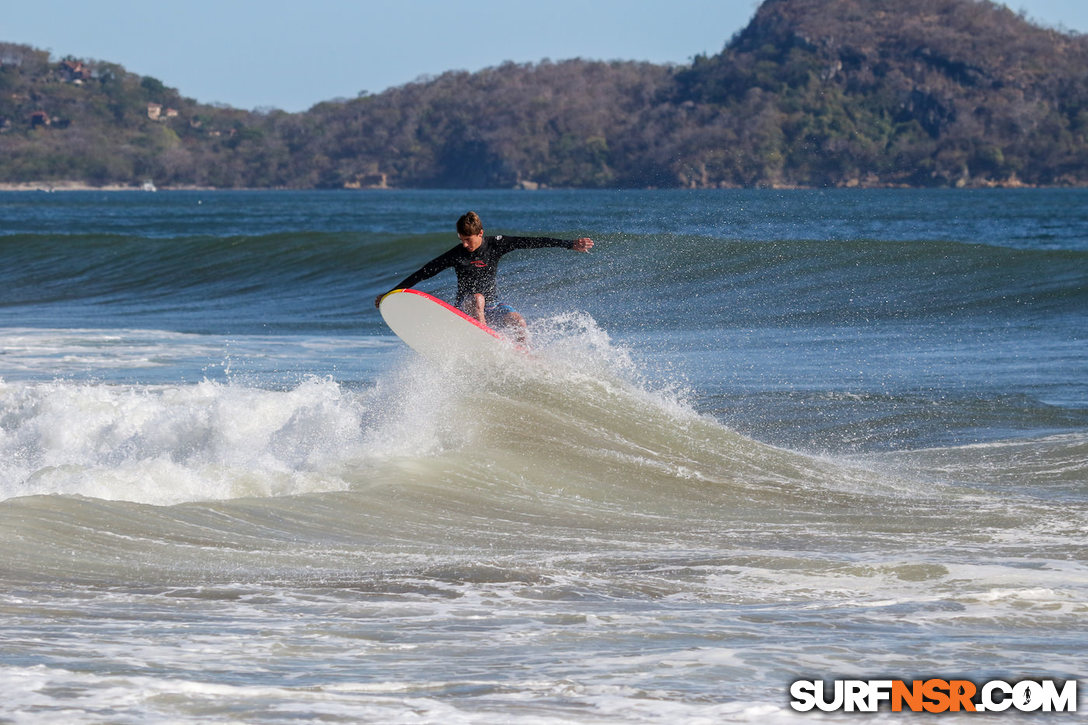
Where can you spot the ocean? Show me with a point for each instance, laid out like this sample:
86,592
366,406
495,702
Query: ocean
763,436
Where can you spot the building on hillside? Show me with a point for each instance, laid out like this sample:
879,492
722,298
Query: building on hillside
73,71
156,112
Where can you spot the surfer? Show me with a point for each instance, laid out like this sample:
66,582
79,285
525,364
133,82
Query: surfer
476,259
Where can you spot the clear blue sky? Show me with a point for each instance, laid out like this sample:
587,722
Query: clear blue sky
291,54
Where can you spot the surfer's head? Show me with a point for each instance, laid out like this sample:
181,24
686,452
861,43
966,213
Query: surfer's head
469,225
470,231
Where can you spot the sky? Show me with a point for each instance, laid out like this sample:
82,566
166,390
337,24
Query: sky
292,54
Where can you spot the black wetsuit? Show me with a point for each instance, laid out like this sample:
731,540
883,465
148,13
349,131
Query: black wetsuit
476,270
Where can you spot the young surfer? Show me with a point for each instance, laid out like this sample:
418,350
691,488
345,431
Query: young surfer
476,261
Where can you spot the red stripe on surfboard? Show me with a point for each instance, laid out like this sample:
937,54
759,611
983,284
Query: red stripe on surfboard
452,309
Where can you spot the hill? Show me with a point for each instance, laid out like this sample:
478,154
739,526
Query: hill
94,122
810,93
927,92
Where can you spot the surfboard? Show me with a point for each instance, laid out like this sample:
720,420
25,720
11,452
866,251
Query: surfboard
438,330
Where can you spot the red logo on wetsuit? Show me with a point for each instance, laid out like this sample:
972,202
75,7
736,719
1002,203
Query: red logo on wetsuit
478,263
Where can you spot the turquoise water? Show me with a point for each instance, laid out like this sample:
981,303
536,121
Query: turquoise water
765,435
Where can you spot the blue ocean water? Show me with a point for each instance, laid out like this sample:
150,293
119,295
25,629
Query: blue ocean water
765,435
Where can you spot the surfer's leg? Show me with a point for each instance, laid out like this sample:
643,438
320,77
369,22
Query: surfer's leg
503,316
473,306
516,324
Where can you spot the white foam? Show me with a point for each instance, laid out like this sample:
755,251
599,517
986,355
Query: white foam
163,355
53,352
168,444
109,698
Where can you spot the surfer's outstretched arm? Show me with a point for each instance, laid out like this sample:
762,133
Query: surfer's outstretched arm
506,243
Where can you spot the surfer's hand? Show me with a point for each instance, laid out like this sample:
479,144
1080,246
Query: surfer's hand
583,244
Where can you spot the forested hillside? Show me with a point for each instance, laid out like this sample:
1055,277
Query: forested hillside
810,93
925,92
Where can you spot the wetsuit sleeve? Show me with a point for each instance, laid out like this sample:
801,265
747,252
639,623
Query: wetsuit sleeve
430,269
507,244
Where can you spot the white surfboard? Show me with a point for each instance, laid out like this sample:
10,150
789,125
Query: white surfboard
438,330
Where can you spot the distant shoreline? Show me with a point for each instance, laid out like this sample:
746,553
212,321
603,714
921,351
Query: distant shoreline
62,186
54,186
49,186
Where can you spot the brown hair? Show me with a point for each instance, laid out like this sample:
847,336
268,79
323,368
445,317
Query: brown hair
469,225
